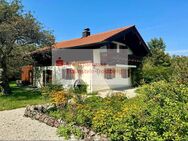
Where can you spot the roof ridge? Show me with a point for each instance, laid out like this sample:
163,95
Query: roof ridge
125,27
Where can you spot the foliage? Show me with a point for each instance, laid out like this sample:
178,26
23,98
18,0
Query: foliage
159,112
60,97
46,90
56,113
67,130
18,58
80,89
156,43
83,116
166,110
18,29
153,73
64,131
157,65
1,91
160,66
180,69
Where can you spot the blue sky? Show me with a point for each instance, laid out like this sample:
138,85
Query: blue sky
153,18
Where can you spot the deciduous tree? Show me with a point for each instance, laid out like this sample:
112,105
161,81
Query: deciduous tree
17,29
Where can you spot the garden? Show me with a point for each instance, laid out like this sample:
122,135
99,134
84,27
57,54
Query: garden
159,112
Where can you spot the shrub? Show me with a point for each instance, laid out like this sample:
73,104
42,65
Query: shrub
180,69
161,91
64,131
68,130
46,90
83,116
94,102
60,97
155,73
115,101
159,112
80,89
101,120
55,113
166,114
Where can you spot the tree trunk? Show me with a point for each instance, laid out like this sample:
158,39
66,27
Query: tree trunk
5,81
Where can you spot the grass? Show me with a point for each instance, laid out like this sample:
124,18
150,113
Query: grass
20,97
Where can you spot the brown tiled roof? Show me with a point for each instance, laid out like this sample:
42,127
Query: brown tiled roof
92,39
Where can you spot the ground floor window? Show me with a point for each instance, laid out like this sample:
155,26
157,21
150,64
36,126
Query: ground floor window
68,74
124,73
109,73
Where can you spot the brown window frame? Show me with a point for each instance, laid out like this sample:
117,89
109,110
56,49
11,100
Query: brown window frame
109,73
68,74
124,73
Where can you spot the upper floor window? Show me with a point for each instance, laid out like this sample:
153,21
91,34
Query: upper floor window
68,74
109,73
118,46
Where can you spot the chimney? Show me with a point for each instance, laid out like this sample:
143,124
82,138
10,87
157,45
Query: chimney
86,32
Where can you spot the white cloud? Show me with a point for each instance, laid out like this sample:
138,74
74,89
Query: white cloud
178,52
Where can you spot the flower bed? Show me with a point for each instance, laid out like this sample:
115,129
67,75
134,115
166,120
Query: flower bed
39,112
159,112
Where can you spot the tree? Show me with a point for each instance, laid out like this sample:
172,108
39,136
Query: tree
18,29
156,43
156,66
19,57
158,56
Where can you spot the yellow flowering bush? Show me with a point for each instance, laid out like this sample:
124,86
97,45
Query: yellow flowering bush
60,97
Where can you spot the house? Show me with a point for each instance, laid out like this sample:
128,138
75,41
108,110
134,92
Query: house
101,61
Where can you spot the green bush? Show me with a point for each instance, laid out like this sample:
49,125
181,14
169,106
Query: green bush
151,73
83,117
64,131
80,89
166,111
55,113
94,102
67,130
159,112
180,70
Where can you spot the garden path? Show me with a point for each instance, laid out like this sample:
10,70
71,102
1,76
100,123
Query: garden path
14,126
130,92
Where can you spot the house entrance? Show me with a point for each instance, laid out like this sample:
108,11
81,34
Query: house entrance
47,77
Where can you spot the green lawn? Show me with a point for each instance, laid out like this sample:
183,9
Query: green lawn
20,97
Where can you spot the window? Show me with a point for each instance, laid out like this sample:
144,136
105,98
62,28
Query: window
124,73
68,74
109,73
